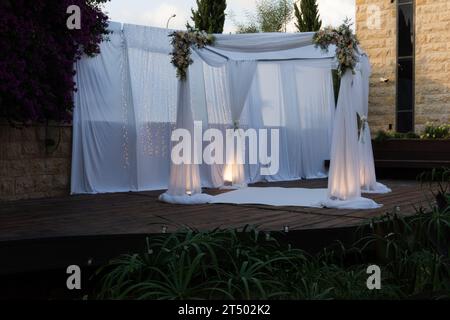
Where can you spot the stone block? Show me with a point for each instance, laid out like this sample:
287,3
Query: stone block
6,188
43,183
24,186
13,151
60,182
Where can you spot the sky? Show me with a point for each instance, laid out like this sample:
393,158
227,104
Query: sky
156,12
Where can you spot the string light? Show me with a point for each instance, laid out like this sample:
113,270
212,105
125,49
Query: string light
126,157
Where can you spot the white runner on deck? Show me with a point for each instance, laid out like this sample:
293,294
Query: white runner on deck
298,197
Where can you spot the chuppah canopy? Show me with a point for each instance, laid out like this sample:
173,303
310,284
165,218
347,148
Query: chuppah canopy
240,55
126,110
128,102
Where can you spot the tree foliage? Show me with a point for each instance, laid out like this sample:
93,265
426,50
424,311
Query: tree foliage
307,17
271,16
38,55
210,15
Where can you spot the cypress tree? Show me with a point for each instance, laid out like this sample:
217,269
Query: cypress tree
209,16
307,16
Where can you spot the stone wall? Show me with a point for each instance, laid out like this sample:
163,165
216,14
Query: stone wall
29,168
432,60
380,45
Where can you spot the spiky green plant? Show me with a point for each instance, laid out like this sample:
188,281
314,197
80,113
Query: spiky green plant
412,252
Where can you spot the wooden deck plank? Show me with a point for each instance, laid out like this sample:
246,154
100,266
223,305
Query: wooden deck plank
140,213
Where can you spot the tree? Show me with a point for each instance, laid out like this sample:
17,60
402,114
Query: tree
38,55
307,16
271,16
209,16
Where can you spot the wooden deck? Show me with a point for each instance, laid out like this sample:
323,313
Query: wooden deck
142,213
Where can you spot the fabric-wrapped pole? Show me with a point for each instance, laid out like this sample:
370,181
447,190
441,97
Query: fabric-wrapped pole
368,178
344,185
344,180
185,177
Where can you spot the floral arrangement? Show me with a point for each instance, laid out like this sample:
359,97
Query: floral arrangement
346,45
362,123
181,53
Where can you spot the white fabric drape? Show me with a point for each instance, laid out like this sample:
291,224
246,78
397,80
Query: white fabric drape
150,74
103,124
240,75
262,42
368,178
185,177
344,180
345,175
290,97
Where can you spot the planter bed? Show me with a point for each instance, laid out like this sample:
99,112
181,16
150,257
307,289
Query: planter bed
411,153
405,158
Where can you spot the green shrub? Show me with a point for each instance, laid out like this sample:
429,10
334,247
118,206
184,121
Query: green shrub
433,131
413,254
382,135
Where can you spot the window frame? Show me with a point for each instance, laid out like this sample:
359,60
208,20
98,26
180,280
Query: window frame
399,59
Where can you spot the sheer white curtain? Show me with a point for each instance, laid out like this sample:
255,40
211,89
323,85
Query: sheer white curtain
344,182
240,75
299,102
287,96
153,87
185,177
316,107
262,42
103,157
344,175
368,178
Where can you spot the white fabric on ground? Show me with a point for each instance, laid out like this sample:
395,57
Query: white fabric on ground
200,198
274,197
354,203
298,197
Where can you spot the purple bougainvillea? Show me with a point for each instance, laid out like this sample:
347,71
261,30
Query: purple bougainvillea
37,54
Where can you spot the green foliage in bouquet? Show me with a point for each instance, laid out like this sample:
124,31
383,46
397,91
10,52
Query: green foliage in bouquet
346,45
182,41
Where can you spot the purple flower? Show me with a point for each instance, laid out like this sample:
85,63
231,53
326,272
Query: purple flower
38,53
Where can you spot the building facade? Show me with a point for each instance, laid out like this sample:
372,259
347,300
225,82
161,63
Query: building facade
408,42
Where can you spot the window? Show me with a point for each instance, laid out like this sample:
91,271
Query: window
405,66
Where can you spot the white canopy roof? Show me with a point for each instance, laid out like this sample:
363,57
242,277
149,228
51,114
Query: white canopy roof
269,47
238,47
